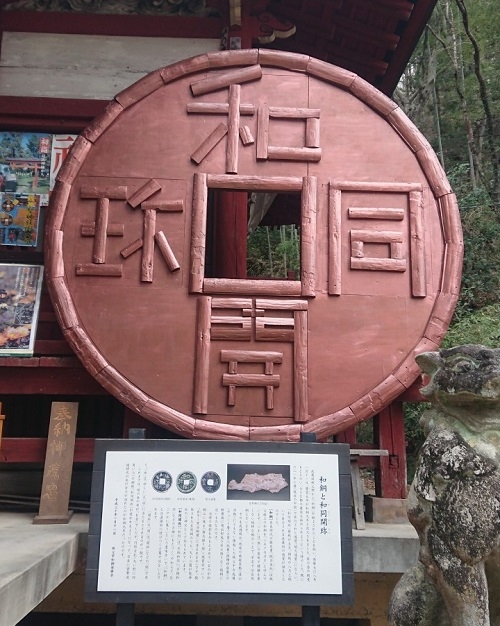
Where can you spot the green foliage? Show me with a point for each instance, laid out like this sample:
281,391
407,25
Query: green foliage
289,250
481,231
477,317
450,88
414,434
481,327
258,259
273,251
10,145
33,146
451,91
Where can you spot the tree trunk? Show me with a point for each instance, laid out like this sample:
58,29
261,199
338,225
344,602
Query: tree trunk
485,101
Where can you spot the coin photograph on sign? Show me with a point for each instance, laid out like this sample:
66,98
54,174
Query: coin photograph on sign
210,482
186,482
162,202
162,481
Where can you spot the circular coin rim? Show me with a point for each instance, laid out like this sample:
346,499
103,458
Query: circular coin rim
193,427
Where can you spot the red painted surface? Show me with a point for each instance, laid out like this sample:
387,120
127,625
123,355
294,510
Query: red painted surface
34,377
32,450
120,25
380,252
389,432
347,436
230,236
53,374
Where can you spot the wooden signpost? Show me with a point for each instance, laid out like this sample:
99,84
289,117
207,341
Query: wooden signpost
58,467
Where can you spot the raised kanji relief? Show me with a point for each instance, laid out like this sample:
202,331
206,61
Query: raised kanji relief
100,229
309,117
225,322
232,109
235,131
388,238
146,199
307,186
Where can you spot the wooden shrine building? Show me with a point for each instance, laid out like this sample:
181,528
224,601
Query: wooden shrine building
164,135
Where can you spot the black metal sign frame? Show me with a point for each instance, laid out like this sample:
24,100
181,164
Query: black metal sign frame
341,451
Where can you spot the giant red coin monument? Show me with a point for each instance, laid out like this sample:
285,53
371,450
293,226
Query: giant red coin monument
130,232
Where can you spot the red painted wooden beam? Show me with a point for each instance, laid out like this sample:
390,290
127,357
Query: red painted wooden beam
389,434
412,394
45,377
120,25
32,450
230,241
48,114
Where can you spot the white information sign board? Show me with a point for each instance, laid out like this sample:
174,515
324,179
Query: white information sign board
220,521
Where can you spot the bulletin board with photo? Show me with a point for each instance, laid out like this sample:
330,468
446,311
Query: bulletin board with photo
221,522
29,163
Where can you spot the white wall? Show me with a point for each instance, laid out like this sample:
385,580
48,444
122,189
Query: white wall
85,66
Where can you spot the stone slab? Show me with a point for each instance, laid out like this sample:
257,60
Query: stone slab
385,548
35,559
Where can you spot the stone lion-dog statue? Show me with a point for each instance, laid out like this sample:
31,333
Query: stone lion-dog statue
454,500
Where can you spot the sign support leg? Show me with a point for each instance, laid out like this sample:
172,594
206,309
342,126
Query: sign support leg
125,614
310,614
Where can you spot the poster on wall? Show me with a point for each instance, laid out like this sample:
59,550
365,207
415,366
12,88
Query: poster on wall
19,219
20,291
29,164
61,145
264,522
25,162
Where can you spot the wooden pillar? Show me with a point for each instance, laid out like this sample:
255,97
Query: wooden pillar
230,242
389,434
230,207
240,27
2,417
347,436
230,236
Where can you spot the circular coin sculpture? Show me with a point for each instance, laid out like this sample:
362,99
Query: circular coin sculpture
135,229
